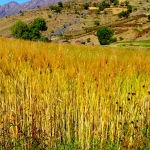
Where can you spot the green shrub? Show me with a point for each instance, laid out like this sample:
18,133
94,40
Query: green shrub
21,30
86,5
88,40
60,4
105,36
44,39
121,38
96,22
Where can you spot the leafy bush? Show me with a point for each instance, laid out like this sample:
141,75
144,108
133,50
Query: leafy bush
44,39
121,38
57,9
105,36
86,5
60,4
124,14
88,40
39,24
96,22
21,30
104,5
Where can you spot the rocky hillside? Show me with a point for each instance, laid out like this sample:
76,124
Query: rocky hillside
12,7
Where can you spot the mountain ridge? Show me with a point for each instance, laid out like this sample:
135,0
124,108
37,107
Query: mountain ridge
13,7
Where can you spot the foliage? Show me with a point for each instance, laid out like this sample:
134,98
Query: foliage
86,5
57,9
105,35
39,24
44,39
129,8
60,4
88,40
127,3
124,14
148,17
103,5
96,22
21,30
116,2
49,16
121,38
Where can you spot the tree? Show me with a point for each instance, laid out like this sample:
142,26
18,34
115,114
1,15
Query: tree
39,24
20,30
105,36
129,7
124,14
86,5
57,9
60,4
104,5
34,34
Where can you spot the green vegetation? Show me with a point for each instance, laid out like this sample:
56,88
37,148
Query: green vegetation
97,22
86,5
60,4
20,30
148,17
103,5
56,9
88,40
136,43
126,14
105,36
116,2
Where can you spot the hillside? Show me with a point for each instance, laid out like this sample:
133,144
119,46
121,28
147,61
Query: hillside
75,23
13,7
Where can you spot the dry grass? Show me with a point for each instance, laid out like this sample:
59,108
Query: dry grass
77,94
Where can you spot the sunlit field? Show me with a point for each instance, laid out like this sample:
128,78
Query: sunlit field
70,97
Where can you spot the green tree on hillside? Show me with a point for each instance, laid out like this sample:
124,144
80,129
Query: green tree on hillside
60,4
39,24
56,9
20,30
105,36
86,5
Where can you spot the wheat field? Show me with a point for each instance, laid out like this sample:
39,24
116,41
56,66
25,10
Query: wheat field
55,96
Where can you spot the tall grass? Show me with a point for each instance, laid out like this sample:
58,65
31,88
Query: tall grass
55,96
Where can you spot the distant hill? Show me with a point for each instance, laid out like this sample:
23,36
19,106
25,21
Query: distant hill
13,7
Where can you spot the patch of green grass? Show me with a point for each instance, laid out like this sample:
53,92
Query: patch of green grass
135,43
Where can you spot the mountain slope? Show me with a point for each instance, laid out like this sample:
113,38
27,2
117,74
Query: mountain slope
12,7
